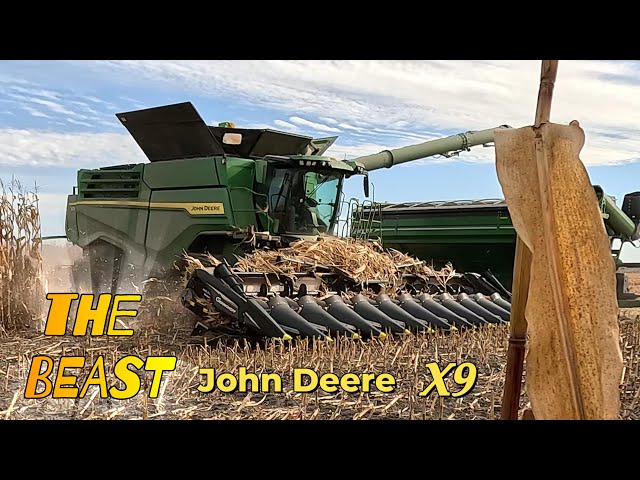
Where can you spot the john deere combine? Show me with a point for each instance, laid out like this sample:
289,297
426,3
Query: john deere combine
222,191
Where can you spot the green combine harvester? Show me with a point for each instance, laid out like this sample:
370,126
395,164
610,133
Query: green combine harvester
220,192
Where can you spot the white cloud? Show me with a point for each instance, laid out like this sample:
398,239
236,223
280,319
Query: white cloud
132,103
386,104
79,122
34,112
422,95
329,120
28,147
313,125
55,107
286,125
8,79
85,107
37,92
346,126
99,101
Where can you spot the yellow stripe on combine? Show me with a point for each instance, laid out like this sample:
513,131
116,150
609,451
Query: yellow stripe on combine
111,203
216,208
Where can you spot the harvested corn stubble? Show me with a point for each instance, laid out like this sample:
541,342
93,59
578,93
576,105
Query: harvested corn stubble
403,357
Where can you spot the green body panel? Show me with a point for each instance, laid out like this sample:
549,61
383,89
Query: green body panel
171,231
150,221
183,173
240,176
126,229
465,257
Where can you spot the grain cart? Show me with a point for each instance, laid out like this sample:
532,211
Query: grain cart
478,236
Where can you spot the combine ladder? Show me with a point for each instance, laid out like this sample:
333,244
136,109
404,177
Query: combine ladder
366,221
360,220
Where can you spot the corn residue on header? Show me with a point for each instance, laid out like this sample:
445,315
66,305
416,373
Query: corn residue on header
359,260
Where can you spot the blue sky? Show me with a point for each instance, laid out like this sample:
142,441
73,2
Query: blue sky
58,116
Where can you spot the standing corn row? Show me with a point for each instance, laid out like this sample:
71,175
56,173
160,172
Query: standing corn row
21,282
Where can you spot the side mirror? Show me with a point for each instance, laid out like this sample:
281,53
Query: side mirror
312,202
631,206
261,171
366,186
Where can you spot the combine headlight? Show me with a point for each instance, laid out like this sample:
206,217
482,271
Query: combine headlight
301,162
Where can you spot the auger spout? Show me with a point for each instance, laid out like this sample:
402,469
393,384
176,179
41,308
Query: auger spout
442,146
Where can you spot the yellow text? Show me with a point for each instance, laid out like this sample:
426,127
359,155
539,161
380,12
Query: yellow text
465,374
102,316
64,384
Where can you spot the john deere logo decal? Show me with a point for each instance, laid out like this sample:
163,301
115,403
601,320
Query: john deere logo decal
214,208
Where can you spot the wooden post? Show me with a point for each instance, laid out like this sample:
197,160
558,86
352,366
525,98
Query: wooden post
518,333
522,273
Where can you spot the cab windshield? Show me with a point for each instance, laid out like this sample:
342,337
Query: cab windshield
302,201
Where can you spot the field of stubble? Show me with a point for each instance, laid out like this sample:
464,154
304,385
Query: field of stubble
165,330
404,358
